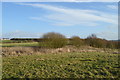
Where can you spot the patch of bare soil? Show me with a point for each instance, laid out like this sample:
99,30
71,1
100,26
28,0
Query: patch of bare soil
17,51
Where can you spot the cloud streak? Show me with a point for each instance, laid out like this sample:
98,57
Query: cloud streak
112,7
21,34
68,17
109,35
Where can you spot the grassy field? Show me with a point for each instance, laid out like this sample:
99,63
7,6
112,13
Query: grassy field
5,41
10,43
65,65
13,41
19,44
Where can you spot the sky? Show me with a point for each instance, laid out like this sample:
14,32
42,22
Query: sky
59,0
33,19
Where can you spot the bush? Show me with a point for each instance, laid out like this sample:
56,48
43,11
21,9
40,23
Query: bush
110,44
113,44
96,42
76,41
52,35
57,40
53,40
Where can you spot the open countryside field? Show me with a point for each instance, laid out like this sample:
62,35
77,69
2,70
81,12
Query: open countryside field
64,65
59,58
19,44
10,43
71,39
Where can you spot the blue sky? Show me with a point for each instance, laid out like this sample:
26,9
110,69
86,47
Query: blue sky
60,0
68,18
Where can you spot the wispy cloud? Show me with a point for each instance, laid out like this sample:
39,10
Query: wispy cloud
21,34
60,0
109,35
67,16
112,7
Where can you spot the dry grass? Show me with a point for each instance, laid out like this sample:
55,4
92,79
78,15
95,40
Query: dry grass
17,51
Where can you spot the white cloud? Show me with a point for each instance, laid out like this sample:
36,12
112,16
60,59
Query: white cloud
21,34
60,0
109,35
112,7
66,16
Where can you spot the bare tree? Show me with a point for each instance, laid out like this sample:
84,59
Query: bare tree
92,36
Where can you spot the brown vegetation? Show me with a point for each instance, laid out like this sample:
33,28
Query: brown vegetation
58,43
17,51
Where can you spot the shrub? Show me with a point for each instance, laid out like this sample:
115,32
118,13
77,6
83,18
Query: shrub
93,41
53,35
56,42
76,41
96,42
110,44
113,44
53,40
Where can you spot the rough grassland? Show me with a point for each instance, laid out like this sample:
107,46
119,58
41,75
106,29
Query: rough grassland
65,65
19,44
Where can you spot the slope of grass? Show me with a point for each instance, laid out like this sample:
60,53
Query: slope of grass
65,65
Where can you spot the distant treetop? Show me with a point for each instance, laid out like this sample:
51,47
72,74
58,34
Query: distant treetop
92,36
53,35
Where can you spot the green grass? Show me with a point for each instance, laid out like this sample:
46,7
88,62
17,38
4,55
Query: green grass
19,44
10,43
5,41
23,44
14,41
65,65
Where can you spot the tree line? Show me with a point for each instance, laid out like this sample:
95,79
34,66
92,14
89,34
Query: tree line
57,40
